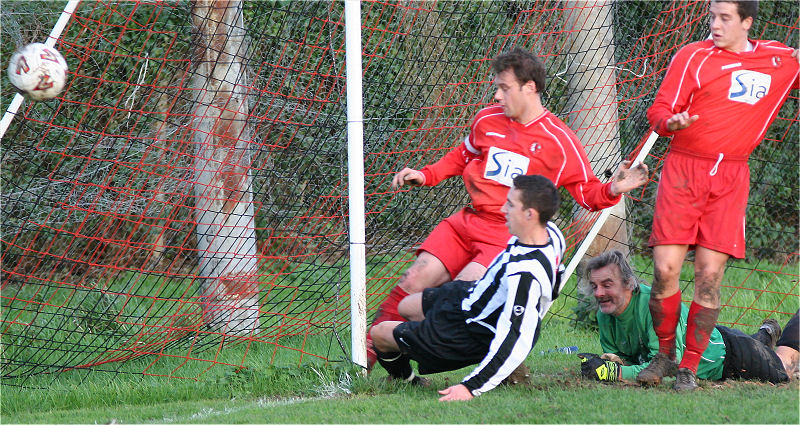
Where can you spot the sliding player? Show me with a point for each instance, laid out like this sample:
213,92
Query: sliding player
493,322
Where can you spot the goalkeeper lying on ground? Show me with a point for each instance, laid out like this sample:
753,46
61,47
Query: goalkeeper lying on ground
629,341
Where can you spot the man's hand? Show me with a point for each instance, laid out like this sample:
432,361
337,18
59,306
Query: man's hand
626,178
592,366
680,121
455,393
407,176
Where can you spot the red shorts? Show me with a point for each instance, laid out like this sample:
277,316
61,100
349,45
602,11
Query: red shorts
702,201
465,237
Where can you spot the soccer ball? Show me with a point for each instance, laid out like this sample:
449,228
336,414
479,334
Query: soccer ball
37,71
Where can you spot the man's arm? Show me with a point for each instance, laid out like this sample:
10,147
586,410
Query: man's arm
514,334
450,165
590,193
576,173
668,113
606,335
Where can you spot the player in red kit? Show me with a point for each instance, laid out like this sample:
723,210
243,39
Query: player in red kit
717,100
515,136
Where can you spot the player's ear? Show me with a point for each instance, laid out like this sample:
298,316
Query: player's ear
530,85
747,23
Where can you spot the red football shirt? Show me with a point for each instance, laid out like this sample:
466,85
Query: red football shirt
498,148
735,95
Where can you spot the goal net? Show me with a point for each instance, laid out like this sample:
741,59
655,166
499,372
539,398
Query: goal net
183,203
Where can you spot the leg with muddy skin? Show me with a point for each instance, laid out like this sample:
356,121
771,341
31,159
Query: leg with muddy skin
665,308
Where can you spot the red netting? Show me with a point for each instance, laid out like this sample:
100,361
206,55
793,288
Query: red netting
185,197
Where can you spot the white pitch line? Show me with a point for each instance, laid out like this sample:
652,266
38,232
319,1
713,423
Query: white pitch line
259,403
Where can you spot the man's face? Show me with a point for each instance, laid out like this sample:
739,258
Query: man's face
516,214
610,292
728,30
512,95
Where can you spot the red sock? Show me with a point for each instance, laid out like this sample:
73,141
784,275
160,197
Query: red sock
699,326
666,312
387,311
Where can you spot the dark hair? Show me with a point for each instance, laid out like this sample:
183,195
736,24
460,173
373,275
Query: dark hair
746,9
526,67
614,257
539,193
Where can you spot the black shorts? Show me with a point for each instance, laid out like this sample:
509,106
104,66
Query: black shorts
747,358
443,341
791,334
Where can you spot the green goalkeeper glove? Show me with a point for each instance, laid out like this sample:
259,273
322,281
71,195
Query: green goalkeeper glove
592,366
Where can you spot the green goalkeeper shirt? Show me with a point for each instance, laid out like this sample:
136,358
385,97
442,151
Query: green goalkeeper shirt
631,336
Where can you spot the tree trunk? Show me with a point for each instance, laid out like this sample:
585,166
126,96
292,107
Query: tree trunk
593,109
593,105
226,240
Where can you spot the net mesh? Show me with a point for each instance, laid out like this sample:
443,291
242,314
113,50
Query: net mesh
102,252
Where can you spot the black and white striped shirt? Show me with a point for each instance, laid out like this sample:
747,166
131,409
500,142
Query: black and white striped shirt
511,300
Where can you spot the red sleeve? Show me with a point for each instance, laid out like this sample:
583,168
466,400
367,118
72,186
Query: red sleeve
584,186
593,195
452,164
675,91
577,175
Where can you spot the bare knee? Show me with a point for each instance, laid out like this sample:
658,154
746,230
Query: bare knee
412,280
667,264
472,271
426,272
383,336
707,282
708,275
411,307
665,278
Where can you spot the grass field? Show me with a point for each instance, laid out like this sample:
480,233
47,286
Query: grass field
275,390
334,394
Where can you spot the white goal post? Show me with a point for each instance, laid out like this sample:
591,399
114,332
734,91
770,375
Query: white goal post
598,224
355,183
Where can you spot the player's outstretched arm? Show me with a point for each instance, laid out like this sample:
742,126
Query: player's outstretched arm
626,178
407,176
455,393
